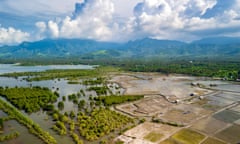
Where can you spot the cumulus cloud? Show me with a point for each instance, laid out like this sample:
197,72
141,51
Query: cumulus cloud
53,28
41,26
187,19
163,19
92,19
12,36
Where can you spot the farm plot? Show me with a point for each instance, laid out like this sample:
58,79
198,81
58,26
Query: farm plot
148,133
237,122
229,96
147,107
228,116
215,102
209,125
187,136
213,141
236,109
184,114
219,101
230,134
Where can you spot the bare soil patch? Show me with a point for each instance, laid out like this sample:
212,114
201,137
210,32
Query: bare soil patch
148,106
184,114
142,131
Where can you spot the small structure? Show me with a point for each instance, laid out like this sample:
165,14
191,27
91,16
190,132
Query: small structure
201,97
192,94
177,101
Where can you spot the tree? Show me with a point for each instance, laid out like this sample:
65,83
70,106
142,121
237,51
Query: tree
72,115
81,104
55,116
61,105
64,98
239,74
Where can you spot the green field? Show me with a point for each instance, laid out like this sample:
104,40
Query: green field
212,141
153,136
187,136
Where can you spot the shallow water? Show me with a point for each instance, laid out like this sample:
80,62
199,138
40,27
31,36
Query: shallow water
61,86
10,68
221,85
24,138
169,86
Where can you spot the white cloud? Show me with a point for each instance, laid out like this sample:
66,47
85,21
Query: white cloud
184,19
41,26
92,19
114,20
53,28
12,36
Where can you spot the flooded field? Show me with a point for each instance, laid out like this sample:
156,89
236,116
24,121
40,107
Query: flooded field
170,104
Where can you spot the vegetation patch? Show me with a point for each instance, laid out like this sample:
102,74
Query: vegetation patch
153,136
100,122
188,136
112,100
9,136
90,125
32,127
169,141
97,81
63,73
212,141
100,90
29,99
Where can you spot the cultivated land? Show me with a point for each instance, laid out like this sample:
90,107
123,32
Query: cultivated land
180,110
143,108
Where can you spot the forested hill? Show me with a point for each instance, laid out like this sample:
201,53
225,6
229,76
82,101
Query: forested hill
144,48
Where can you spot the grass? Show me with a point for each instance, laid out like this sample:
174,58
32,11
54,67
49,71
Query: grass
187,136
153,136
212,141
169,141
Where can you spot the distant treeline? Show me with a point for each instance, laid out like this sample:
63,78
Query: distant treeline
223,67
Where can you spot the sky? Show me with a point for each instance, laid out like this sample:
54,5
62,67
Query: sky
117,20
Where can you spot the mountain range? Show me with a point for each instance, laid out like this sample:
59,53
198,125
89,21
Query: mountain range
143,48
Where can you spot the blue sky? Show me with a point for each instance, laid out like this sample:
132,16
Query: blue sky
117,20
